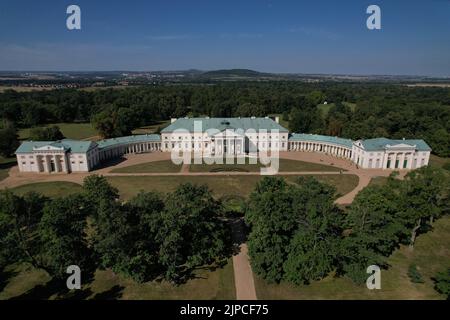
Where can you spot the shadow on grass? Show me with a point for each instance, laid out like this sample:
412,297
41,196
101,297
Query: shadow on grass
8,165
112,294
44,291
56,288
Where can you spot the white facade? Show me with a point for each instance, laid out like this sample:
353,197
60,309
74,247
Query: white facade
55,157
234,137
379,153
223,137
401,156
67,156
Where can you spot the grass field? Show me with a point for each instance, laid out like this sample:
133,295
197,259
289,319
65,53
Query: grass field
285,165
288,165
49,189
149,167
431,255
233,166
152,128
5,165
220,185
378,181
25,282
69,130
324,108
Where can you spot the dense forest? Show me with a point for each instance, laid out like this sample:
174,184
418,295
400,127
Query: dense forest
354,110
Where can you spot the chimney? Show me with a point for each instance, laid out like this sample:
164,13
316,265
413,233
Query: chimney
173,120
277,119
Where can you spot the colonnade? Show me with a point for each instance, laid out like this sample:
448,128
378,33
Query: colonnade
332,149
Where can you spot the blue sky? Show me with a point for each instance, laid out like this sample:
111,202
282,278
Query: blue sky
267,35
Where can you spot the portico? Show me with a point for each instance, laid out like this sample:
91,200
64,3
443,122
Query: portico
382,153
227,143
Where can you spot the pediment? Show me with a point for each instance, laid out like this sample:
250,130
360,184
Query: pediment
48,148
227,133
400,146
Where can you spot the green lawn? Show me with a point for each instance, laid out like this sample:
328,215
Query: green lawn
378,181
431,255
149,167
235,185
285,165
151,128
230,186
288,165
325,108
69,130
25,282
49,189
5,165
234,166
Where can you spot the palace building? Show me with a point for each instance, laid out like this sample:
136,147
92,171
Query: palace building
220,137
224,136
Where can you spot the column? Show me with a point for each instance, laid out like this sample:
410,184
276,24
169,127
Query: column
46,164
56,161
393,156
401,161
410,160
384,160
38,161
65,164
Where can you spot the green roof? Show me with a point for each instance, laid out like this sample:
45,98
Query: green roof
381,143
74,146
225,123
320,138
142,138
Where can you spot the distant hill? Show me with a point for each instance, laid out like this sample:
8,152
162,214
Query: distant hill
230,73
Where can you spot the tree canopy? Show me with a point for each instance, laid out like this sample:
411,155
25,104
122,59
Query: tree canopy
295,230
354,110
